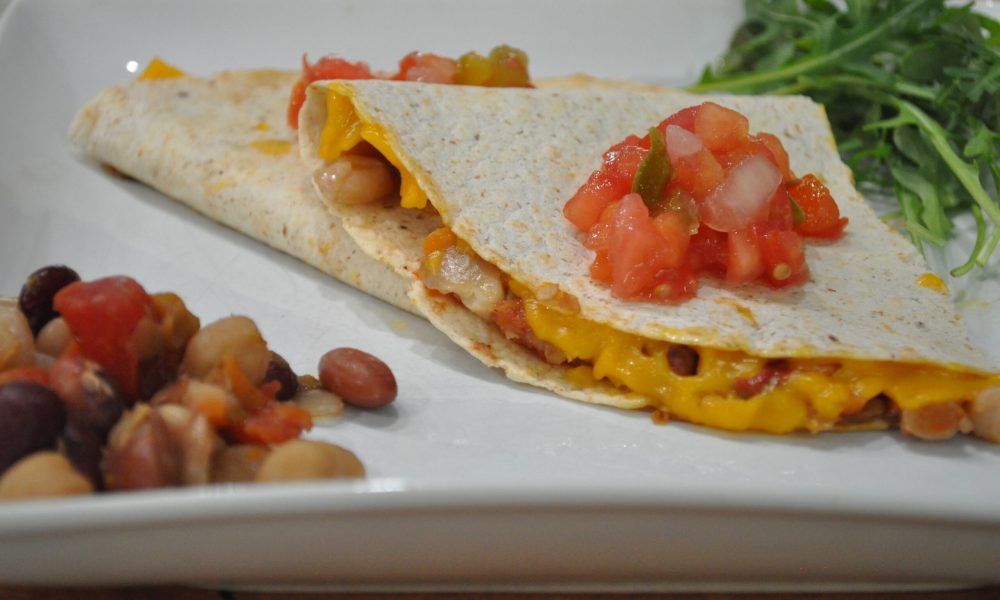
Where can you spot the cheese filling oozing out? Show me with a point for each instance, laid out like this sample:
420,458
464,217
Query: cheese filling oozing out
811,394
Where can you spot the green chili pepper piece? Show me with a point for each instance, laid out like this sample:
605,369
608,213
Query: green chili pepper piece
654,172
798,215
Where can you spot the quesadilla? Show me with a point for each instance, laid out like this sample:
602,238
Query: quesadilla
222,146
870,341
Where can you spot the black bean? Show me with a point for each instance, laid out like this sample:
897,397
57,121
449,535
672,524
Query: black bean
31,418
35,300
84,446
683,360
279,370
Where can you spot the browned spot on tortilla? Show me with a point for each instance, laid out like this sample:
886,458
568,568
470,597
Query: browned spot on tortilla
484,348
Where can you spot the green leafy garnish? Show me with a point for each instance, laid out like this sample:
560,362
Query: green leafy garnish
911,89
654,171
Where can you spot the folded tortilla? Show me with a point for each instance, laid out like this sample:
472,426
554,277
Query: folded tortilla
222,146
497,166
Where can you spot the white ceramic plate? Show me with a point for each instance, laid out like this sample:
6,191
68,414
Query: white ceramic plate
475,482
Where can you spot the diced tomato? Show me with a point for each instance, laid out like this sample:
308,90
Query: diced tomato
274,423
328,67
622,163
779,214
600,269
770,374
27,373
102,315
585,207
708,251
822,216
635,249
784,258
427,68
672,285
777,151
683,118
721,129
676,233
698,174
744,261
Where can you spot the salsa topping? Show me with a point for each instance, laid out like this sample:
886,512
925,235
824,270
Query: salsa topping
504,66
699,194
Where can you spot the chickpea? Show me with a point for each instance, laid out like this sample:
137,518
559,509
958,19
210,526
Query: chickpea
358,377
304,459
42,475
17,344
237,464
985,414
53,338
355,179
237,336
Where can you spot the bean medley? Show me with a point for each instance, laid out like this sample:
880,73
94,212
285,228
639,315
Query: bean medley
104,386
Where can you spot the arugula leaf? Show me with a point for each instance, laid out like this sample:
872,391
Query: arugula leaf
912,90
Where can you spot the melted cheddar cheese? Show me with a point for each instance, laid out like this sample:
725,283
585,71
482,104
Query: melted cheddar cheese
812,396
343,130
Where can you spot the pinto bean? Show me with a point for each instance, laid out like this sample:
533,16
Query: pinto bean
358,377
141,453
683,360
90,396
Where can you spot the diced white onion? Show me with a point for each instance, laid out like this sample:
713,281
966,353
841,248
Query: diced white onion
743,196
681,142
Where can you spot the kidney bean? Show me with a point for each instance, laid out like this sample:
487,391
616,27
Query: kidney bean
304,459
89,394
36,295
357,377
279,370
42,475
237,336
31,418
683,360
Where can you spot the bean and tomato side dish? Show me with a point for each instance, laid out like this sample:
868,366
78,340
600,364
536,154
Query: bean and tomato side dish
104,386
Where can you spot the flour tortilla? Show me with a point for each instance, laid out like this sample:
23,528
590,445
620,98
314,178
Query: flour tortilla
498,165
216,145
222,147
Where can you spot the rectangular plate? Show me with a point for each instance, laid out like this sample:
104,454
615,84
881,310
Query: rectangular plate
474,482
